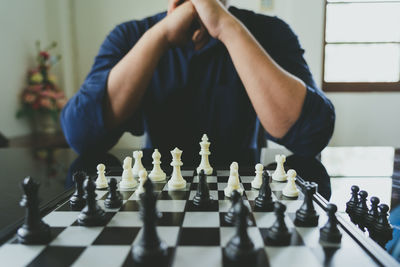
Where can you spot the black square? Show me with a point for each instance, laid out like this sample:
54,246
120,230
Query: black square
124,194
64,207
295,239
247,186
222,179
168,261
222,222
158,186
211,186
57,256
190,206
260,257
130,205
107,219
173,195
199,237
117,236
171,219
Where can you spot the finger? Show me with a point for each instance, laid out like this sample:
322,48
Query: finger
199,34
172,4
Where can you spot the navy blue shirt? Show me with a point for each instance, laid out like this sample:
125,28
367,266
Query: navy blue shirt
195,92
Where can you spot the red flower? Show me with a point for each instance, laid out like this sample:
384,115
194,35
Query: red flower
44,55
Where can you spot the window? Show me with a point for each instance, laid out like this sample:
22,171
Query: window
362,45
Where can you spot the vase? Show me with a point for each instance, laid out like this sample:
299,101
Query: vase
45,124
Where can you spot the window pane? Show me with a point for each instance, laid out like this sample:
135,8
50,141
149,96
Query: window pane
363,22
362,62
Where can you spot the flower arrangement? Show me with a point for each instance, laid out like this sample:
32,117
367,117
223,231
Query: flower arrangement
42,95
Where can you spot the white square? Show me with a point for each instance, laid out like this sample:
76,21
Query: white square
168,234
221,186
171,205
18,255
247,179
251,195
198,257
292,205
201,219
213,194
61,218
187,188
266,219
187,172
254,233
277,186
224,205
291,256
223,172
101,204
100,194
126,219
103,256
77,236
210,179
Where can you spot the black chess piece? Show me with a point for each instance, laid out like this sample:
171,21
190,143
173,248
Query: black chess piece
330,232
240,249
34,230
114,199
278,234
150,250
230,215
264,201
352,203
91,214
383,231
77,200
361,210
202,198
372,216
306,216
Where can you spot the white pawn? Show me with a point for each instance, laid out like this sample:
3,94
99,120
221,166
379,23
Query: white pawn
137,166
233,181
142,180
127,181
205,153
176,182
257,181
290,190
157,174
101,181
279,174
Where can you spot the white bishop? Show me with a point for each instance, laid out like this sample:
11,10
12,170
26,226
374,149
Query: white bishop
157,174
233,181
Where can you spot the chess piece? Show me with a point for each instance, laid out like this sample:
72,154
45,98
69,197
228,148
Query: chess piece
114,199
34,230
361,210
91,214
202,198
263,201
157,174
127,180
101,181
278,233
176,182
290,190
279,173
142,180
257,181
137,166
240,248
233,181
306,216
352,203
330,232
383,231
150,250
77,200
205,153
372,217
235,198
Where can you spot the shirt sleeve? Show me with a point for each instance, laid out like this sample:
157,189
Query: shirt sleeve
82,117
314,128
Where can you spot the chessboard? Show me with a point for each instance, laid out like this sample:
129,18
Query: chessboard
195,236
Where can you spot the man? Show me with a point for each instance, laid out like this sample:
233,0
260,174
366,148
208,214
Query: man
200,68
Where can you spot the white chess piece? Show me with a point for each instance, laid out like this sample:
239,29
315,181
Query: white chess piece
176,182
137,166
280,174
257,181
205,153
127,180
290,190
101,181
142,180
233,181
157,174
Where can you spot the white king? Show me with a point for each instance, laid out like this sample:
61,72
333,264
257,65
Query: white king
204,153
176,182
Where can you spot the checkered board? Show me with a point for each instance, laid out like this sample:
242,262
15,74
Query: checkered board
195,238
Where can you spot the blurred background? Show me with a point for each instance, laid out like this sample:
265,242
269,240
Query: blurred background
352,48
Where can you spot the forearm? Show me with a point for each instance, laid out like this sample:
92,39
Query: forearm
128,80
276,95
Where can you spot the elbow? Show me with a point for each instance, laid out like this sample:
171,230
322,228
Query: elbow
72,133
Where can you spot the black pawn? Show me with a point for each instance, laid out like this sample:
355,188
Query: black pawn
34,230
77,200
278,234
373,214
235,198
240,249
352,203
150,250
383,231
91,214
306,216
361,210
202,198
114,199
330,232
264,201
